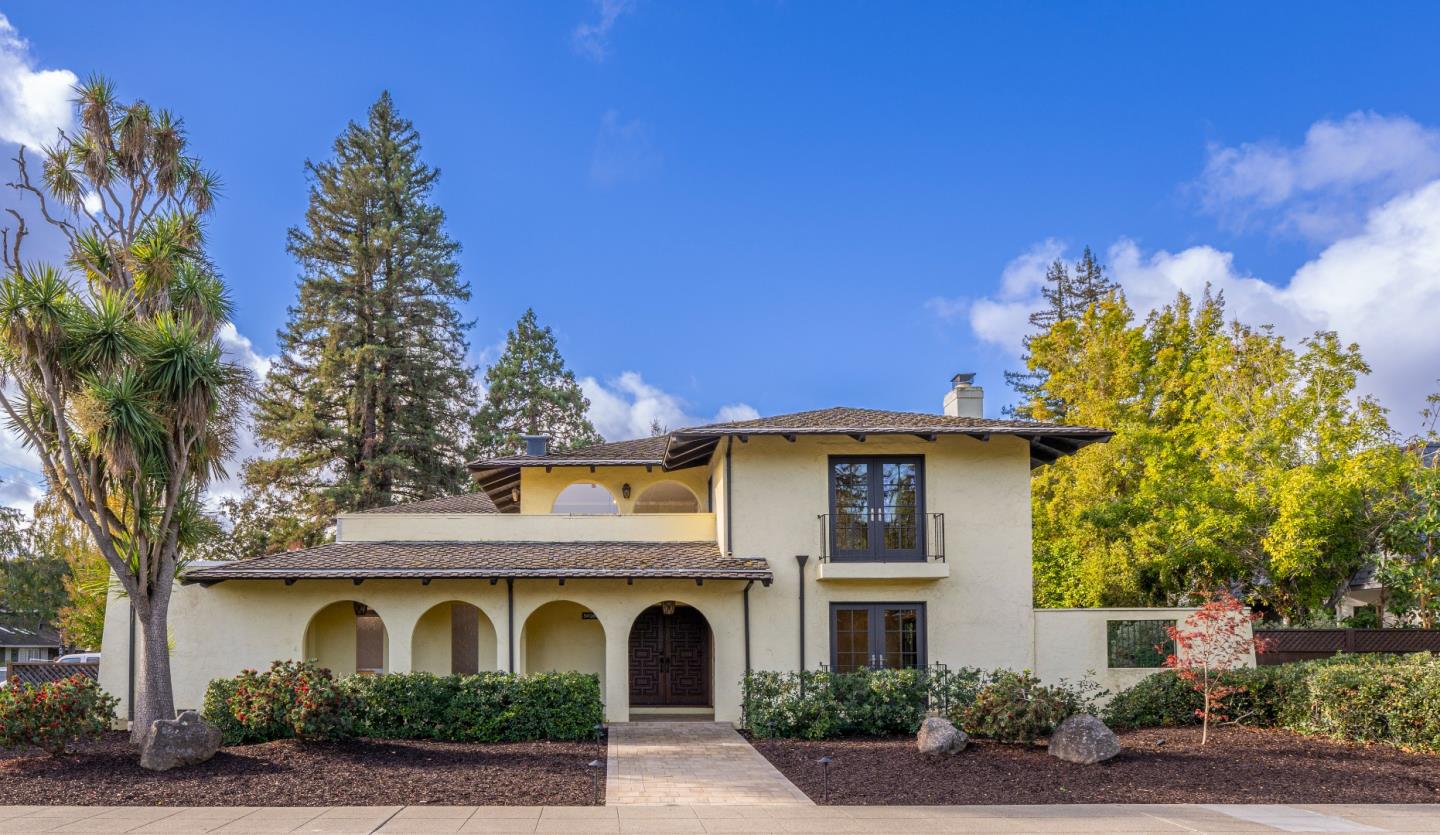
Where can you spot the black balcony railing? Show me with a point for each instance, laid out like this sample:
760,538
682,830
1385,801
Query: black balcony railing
882,535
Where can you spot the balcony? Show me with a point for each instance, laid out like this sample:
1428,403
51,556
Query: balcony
515,527
883,543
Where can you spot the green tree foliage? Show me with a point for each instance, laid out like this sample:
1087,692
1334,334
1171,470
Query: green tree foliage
1238,460
368,403
58,535
1067,295
30,580
1409,565
113,366
530,392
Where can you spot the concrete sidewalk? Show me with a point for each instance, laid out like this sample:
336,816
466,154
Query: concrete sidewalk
419,820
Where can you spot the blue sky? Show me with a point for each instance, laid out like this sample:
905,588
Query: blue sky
786,205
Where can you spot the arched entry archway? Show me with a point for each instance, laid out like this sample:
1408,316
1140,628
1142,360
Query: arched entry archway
563,636
671,658
348,637
453,637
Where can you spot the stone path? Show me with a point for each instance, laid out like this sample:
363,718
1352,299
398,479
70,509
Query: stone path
690,763
435,820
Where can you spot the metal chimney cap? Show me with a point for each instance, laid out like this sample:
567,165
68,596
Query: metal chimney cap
536,445
964,378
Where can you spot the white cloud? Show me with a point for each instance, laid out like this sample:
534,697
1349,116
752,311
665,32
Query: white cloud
1020,282
1379,287
623,151
1322,188
34,103
592,39
627,406
238,349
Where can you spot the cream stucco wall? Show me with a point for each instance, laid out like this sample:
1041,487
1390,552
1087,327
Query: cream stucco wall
978,616
510,527
1071,644
430,645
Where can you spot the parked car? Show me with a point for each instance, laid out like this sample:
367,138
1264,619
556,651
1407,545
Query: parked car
79,658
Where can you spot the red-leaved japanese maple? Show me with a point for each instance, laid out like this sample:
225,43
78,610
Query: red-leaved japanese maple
1213,639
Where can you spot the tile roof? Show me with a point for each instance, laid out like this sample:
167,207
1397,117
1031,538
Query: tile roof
845,419
19,636
467,503
637,451
420,560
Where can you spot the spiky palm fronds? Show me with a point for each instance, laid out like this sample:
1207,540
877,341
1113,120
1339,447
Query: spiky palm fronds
103,335
37,304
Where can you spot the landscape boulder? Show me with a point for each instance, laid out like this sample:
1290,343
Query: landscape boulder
939,738
171,743
1084,739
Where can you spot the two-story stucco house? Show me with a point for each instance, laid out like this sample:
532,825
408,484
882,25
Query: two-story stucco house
840,538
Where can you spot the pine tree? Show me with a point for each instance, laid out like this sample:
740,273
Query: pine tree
530,392
1067,296
367,404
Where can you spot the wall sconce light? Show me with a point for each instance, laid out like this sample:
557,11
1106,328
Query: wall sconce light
625,490
515,495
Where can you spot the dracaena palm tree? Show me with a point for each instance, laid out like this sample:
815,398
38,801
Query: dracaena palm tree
111,363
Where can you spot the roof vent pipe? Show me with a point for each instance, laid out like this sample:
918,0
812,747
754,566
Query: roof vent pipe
965,399
536,445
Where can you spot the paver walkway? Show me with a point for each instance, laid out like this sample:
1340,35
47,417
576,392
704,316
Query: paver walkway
690,763
434,820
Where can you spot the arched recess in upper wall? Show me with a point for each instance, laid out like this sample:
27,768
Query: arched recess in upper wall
585,497
667,497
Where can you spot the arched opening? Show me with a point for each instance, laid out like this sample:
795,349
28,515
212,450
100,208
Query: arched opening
585,497
562,636
348,637
453,637
671,658
667,497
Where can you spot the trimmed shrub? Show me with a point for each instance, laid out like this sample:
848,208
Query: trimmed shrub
55,714
822,705
1016,707
301,700
291,700
489,707
1370,698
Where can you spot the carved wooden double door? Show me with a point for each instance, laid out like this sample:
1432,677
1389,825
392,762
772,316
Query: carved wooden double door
670,658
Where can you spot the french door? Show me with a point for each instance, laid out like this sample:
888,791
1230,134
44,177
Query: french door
876,636
877,508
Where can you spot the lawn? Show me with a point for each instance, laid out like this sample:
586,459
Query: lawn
1240,765
291,773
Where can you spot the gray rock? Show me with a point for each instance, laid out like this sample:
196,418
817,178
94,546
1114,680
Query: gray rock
939,738
1084,739
171,743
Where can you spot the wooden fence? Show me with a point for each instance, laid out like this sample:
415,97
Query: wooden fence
1283,645
39,672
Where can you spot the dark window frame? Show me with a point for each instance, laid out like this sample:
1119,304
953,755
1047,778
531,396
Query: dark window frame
877,552
922,633
1114,625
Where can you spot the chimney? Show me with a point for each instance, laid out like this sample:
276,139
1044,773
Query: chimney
536,445
965,399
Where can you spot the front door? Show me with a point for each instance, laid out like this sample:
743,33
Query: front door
670,658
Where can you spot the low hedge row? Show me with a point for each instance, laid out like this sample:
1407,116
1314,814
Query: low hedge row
304,701
1369,698
1003,705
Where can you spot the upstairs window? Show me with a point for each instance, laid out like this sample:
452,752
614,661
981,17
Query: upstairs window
877,508
667,497
584,497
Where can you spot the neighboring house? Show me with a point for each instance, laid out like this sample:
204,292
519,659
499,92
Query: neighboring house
17,643
838,538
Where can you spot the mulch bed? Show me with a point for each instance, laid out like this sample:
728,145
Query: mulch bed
1240,765
289,773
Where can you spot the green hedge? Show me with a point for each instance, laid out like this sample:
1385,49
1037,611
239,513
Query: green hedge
489,707
1369,698
822,705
